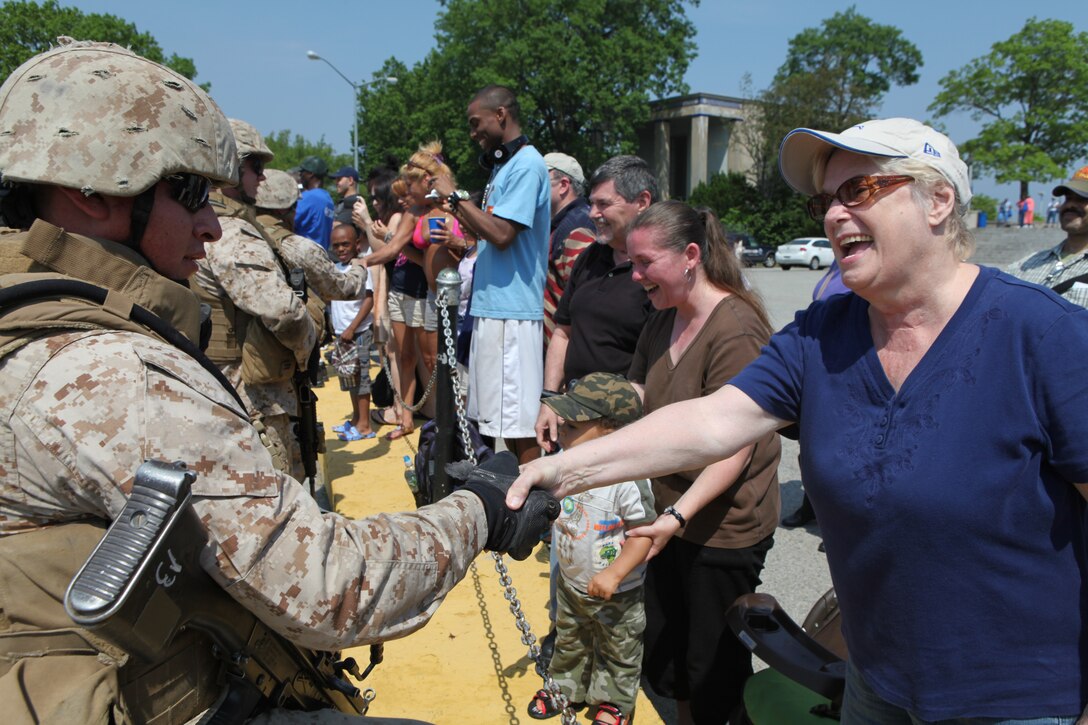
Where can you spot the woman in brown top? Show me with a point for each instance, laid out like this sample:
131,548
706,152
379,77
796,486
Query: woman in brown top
709,548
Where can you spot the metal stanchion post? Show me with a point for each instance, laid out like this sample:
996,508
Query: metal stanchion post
449,294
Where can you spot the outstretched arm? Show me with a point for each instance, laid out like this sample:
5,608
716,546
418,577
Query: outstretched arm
679,437
715,480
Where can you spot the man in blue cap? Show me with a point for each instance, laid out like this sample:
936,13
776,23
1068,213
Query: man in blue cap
347,186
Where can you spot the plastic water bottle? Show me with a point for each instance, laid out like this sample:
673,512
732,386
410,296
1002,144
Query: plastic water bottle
410,475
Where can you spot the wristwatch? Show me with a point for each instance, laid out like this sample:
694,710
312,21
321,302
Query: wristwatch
457,197
671,511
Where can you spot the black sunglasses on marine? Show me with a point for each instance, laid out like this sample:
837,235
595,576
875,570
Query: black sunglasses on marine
189,190
854,192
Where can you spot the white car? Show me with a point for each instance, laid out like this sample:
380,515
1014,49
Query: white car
811,252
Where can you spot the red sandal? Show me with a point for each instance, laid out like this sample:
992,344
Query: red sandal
610,711
542,707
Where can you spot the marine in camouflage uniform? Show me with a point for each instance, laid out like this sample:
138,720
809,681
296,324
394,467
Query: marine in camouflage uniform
261,329
119,152
276,199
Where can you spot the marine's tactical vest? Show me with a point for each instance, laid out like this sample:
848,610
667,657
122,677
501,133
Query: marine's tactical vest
237,335
276,232
51,670
48,252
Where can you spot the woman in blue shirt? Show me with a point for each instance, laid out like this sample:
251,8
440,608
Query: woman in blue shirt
942,433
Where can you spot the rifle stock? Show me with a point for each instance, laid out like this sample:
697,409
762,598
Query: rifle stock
143,584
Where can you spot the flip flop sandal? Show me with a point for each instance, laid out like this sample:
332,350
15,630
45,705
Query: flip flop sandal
353,434
342,428
610,711
397,433
377,416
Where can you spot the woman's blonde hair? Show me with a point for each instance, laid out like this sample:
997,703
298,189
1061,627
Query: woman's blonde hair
926,182
428,160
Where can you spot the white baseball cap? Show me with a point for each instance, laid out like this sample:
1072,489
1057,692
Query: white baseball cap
897,138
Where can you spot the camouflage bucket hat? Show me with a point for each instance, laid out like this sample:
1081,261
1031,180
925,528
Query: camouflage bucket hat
249,141
279,190
98,117
598,395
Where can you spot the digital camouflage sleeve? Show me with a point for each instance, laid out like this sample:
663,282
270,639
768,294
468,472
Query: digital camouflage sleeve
85,409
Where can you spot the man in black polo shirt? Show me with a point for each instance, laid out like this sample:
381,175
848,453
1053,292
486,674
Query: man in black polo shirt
602,311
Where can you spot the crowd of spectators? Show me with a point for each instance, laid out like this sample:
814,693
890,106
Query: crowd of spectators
581,295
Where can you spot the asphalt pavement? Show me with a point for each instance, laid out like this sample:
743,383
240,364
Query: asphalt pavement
795,573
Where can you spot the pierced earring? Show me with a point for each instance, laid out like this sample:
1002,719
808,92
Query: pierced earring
687,273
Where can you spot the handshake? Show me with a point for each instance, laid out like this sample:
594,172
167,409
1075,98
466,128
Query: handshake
508,531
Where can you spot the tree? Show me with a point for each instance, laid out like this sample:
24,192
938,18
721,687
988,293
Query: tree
291,150
833,76
855,62
584,72
1029,90
28,28
742,207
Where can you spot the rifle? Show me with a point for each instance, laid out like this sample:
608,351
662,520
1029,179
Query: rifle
143,585
308,430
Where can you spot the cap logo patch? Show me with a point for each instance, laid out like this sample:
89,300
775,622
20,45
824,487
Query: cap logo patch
1082,174
929,150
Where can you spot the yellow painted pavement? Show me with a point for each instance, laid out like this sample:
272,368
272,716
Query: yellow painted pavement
467,665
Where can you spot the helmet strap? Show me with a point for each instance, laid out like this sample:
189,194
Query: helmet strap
141,213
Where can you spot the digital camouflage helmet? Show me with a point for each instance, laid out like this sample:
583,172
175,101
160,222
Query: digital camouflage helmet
249,140
99,118
278,191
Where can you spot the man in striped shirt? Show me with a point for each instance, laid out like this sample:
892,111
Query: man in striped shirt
571,230
1064,268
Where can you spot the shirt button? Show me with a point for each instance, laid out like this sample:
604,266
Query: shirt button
879,439
884,420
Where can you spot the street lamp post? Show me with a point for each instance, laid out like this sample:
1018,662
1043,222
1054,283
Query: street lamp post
356,87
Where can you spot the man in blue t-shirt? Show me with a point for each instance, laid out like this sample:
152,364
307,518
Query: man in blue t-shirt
506,366
314,213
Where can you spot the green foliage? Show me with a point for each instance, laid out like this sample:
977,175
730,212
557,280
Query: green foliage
833,77
290,150
584,72
855,62
28,28
1029,91
986,204
744,208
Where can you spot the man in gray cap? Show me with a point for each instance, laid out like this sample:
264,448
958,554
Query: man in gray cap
314,214
1064,268
571,230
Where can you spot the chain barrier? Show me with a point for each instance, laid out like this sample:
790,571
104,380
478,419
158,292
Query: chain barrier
509,592
384,357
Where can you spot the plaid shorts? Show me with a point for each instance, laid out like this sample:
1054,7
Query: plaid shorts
360,382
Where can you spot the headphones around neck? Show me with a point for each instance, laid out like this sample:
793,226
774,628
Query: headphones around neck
503,153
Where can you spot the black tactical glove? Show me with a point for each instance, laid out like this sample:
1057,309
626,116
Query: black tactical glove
508,531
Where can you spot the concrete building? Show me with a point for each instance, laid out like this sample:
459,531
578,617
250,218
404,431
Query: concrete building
690,138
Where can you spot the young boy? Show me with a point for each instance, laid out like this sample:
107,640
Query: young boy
351,321
600,617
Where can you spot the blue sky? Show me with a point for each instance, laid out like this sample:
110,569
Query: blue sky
254,53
